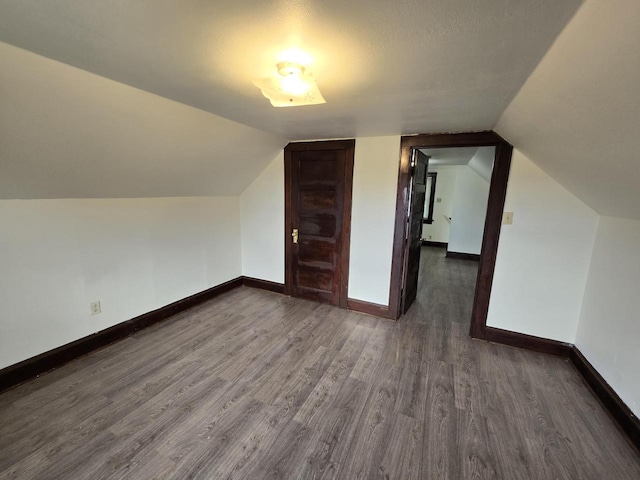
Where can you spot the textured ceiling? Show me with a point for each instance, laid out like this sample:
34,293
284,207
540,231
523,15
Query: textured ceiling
384,67
578,115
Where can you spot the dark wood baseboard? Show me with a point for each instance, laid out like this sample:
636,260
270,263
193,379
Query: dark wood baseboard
370,308
620,412
463,256
32,367
429,243
528,342
609,398
263,284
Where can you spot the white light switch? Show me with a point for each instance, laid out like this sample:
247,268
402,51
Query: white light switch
507,218
438,200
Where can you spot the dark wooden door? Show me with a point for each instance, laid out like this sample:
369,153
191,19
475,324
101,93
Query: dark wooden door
318,182
417,195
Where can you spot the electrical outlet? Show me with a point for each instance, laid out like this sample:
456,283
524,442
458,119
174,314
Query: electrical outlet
95,308
507,218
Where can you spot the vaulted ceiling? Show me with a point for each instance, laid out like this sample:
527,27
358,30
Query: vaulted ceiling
384,67
180,116
578,115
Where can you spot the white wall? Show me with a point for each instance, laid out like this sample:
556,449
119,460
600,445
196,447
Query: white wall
543,258
609,326
375,181
133,255
445,187
375,184
468,212
262,224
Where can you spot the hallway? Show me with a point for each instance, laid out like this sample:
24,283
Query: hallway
445,290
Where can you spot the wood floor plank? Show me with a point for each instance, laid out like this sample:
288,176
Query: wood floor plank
474,458
311,412
337,430
403,452
374,429
255,385
440,431
413,374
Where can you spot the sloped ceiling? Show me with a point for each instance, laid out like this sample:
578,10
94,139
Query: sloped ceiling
578,115
449,156
479,159
384,67
67,133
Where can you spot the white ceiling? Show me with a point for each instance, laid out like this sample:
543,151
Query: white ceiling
67,133
384,67
416,66
578,116
449,156
479,159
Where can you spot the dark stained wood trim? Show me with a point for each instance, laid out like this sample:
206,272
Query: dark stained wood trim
486,138
429,243
346,222
263,284
369,308
490,238
621,413
321,145
432,198
528,342
349,147
609,398
463,256
400,226
288,247
497,193
32,367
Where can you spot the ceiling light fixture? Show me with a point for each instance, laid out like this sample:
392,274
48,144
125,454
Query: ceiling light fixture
292,85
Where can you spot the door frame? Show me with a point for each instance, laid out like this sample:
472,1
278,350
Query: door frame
492,225
349,147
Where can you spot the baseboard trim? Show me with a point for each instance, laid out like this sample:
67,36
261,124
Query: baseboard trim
34,366
528,342
369,308
263,284
429,243
609,398
463,256
620,412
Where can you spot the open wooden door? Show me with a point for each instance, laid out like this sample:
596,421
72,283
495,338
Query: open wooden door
318,185
417,195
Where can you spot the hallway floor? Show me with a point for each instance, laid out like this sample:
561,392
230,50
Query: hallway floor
257,385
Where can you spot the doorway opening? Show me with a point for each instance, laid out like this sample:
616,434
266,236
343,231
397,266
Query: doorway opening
475,236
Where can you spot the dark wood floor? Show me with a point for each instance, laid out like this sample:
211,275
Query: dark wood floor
256,385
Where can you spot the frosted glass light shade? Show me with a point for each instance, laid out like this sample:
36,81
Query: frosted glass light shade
291,87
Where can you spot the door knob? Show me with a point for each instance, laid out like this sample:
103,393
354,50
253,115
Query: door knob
294,234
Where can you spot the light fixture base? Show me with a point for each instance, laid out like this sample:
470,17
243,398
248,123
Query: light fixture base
286,69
